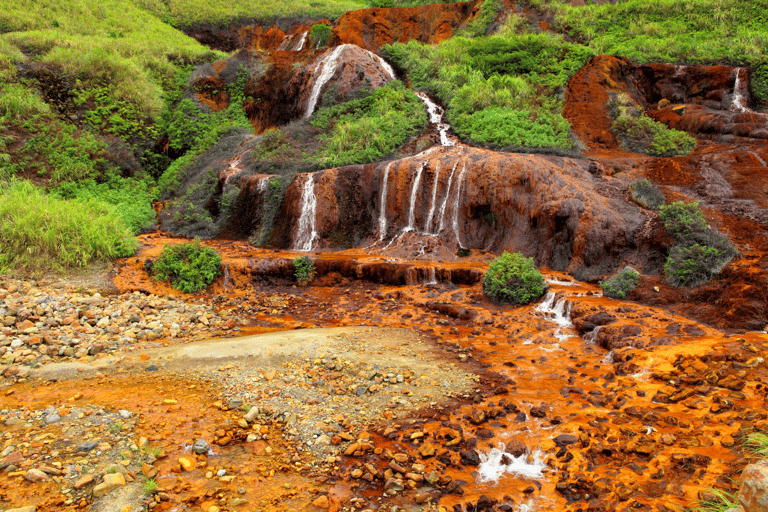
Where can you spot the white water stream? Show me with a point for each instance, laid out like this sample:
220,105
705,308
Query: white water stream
383,204
436,117
301,42
497,462
558,312
740,90
263,183
445,201
457,204
431,214
412,213
329,63
306,234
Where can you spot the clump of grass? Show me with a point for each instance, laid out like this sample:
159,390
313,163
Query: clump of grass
39,231
189,267
645,194
150,487
757,443
304,269
720,502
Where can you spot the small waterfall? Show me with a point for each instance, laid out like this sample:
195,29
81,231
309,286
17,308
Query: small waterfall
445,201
762,162
436,117
328,65
301,42
497,462
431,215
412,212
263,184
457,204
558,312
383,204
740,91
384,64
432,276
306,234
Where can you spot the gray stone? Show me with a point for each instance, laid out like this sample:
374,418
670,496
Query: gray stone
87,446
200,446
52,418
124,414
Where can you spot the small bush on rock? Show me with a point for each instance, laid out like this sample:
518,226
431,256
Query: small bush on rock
304,269
320,35
189,267
513,278
646,195
619,285
682,219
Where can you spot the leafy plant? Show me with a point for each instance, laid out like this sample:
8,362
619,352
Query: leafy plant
619,285
320,34
513,278
646,195
189,267
304,269
116,427
682,219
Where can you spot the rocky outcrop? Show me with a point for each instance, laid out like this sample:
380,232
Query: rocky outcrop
714,98
753,494
431,24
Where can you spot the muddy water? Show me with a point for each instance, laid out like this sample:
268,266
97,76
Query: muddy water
555,421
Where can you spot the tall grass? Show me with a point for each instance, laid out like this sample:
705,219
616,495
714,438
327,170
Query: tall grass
38,231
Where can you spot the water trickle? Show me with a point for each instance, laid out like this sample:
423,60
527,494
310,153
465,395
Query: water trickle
740,91
263,183
558,312
457,204
412,212
431,214
383,204
445,201
497,462
329,63
436,117
306,234
432,277
762,162
384,64
303,40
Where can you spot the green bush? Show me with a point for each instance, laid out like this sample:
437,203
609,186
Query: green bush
699,252
619,285
188,267
39,231
682,219
759,82
646,195
513,278
304,269
320,34
641,134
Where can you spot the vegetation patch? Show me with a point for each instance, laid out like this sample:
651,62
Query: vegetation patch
646,195
619,285
501,90
188,267
304,269
700,252
641,134
40,232
513,279
320,34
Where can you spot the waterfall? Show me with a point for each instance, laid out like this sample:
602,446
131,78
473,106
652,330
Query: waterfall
558,312
445,201
301,42
457,204
436,117
328,64
739,89
383,204
412,213
306,234
263,184
428,225
432,276
384,64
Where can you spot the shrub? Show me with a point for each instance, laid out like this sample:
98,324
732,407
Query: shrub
759,82
646,195
619,285
39,231
682,219
188,267
695,264
513,278
304,269
641,134
320,34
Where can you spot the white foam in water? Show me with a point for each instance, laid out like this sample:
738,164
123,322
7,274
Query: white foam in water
383,201
737,104
492,465
560,283
432,277
445,201
456,207
436,118
301,42
559,312
328,65
412,213
434,199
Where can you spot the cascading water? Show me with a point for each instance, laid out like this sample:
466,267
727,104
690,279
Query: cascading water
740,91
412,212
497,462
432,277
457,203
762,162
436,117
263,184
558,312
431,214
328,65
384,64
306,234
445,201
383,204
303,40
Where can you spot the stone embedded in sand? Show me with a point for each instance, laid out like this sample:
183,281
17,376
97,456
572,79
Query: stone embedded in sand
35,475
321,502
83,481
111,481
